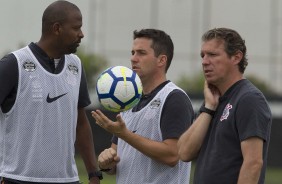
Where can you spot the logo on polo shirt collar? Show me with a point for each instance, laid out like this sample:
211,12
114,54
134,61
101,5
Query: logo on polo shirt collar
226,112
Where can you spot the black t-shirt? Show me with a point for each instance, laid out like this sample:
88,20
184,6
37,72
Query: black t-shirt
177,114
9,76
242,113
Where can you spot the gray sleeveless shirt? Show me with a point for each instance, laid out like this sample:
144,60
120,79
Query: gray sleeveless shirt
135,167
37,135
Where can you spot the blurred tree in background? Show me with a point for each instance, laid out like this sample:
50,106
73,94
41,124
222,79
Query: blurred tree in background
93,65
194,85
262,85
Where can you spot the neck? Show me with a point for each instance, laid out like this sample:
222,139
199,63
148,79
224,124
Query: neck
225,86
151,84
49,48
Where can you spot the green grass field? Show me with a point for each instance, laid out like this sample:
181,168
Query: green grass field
273,175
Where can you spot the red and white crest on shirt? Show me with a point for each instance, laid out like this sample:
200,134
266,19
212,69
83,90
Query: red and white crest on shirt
226,112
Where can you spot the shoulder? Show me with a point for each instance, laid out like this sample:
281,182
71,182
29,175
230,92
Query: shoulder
177,98
8,64
249,93
177,94
251,101
9,59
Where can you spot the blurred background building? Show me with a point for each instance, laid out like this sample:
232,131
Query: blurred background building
108,27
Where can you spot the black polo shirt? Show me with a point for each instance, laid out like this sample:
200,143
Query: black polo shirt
242,112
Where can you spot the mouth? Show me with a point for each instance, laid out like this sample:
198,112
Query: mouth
207,72
134,68
75,45
78,42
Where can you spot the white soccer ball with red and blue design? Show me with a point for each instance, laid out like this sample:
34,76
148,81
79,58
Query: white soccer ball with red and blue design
119,88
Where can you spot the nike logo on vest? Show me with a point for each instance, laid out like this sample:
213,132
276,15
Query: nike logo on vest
50,100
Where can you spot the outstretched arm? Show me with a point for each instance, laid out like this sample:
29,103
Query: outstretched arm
164,152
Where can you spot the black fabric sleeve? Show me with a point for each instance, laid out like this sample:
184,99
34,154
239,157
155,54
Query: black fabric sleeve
177,115
84,99
114,139
9,81
253,117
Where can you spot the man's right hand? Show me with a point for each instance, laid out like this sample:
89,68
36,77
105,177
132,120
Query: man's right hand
108,159
212,95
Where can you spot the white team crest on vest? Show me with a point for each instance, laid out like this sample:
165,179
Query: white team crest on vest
73,69
154,109
226,112
155,104
29,66
70,75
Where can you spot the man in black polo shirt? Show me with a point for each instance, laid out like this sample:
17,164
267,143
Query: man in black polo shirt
230,137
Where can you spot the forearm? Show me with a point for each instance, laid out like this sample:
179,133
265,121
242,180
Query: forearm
252,151
191,141
84,143
250,173
85,147
164,152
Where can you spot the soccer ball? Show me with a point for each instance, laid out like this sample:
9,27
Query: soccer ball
119,88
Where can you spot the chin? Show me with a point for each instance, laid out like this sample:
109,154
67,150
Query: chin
210,80
72,51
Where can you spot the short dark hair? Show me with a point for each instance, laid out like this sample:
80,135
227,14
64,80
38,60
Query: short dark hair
161,42
58,11
233,43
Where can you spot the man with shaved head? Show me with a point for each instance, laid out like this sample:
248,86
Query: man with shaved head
42,116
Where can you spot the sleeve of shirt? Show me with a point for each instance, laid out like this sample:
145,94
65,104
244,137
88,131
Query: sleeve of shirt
114,139
84,99
253,117
8,80
177,115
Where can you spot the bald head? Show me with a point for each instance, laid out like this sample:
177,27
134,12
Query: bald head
57,12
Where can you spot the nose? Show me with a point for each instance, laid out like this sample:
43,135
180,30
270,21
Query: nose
205,60
81,35
133,57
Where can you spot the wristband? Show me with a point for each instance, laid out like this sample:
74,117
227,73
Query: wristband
95,174
208,111
105,170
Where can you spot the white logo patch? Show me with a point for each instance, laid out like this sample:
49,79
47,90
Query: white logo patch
29,66
73,69
226,112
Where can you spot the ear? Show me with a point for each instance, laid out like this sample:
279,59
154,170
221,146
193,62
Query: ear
162,60
236,58
56,28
